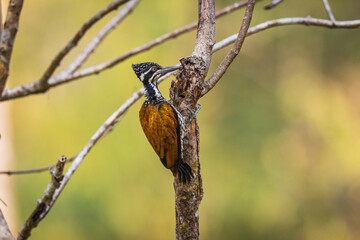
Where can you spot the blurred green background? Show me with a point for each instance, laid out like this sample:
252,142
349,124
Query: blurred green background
279,135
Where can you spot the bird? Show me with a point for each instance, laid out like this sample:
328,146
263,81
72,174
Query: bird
161,122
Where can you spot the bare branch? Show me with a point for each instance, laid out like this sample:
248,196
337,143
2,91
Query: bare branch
34,88
35,170
328,10
273,4
205,37
276,23
42,206
42,84
43,81
105,128
4,228
221,69
111,25
7,40
110,63
316,22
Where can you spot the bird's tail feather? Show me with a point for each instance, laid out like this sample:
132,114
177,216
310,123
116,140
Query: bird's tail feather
184,172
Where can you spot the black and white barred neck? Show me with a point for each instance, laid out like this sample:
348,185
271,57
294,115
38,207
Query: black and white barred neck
152,93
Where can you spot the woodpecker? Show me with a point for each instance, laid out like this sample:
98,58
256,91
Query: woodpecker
161,122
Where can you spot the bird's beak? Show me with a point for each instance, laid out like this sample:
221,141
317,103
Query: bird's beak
166,70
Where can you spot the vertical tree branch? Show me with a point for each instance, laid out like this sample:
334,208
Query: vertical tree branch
8,38
221,69
205,37
184,93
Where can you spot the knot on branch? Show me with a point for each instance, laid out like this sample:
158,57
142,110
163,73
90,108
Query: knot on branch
194,64
57,172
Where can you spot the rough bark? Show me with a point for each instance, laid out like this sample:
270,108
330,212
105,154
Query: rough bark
185,92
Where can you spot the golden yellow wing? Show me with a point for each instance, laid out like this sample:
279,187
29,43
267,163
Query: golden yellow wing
161,127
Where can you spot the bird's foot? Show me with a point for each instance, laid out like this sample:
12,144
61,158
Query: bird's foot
193,114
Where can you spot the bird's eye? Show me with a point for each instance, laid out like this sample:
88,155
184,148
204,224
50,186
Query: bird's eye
153,69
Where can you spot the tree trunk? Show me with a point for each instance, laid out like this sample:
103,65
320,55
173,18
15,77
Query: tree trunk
184,92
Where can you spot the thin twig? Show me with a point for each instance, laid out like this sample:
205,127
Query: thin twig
281,22
221,69
43,81
7,39
147,46
328,10
111,25
34,88
34,170
316,22
42,205
273,4
110,63
37,170
105,128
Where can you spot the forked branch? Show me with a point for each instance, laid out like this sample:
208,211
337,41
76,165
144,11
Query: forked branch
308,21
83,56
41,85
43,204
43,81
328,10
34,87
221,69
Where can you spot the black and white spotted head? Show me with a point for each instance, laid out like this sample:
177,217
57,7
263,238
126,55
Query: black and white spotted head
150,72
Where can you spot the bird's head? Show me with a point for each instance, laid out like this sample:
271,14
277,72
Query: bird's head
150,72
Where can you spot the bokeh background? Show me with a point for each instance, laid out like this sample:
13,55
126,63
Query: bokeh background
280,133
